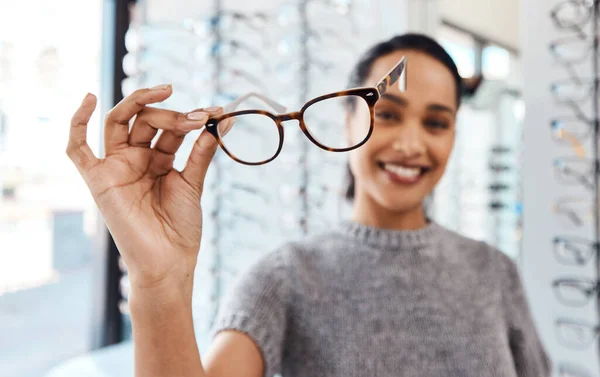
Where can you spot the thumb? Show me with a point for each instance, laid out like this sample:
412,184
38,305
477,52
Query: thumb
197,164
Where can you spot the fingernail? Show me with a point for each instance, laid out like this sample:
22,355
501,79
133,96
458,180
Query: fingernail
212,108
161,87
197,115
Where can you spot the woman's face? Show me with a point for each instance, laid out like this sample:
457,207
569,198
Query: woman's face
412,138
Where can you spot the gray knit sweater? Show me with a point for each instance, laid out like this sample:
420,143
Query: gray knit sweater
361,301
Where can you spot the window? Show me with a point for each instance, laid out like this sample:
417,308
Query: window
463,49
496,62
48,220
475,55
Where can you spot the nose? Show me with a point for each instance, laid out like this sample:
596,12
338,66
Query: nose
409,141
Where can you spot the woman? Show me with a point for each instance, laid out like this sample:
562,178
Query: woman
387,293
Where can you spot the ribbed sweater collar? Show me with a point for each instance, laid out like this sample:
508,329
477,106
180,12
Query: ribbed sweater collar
390,238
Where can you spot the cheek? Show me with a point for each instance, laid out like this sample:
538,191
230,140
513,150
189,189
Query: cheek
358,123
441,149
362,158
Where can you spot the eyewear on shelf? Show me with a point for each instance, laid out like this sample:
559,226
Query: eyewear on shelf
498,187
227,20
572,15
335,105
290,12
575,292
501,149
316,195
228,48
199,28
228,78
288,71
315,40
572,50
501,206
576,334
576,171
576,210
236,217
499,168
569,92
574,251
142,36
236,192
572,131
312,223
569,370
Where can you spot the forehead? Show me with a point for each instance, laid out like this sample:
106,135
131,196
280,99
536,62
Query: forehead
428,80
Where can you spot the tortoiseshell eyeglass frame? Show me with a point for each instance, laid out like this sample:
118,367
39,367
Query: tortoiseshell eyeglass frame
369,94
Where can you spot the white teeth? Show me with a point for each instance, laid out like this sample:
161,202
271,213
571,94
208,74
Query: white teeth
402,171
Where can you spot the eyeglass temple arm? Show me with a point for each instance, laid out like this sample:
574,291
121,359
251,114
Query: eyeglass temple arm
395,74
233,105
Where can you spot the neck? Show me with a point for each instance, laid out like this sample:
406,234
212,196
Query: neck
370,213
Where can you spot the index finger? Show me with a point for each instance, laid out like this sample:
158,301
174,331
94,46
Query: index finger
78,149
116,124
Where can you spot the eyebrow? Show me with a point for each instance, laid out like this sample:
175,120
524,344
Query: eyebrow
402,102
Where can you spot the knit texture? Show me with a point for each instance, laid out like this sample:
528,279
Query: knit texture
362,301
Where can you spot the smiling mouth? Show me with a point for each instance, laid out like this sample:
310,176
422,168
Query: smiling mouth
403,174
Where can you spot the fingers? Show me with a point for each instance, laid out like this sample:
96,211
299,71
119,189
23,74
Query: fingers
202,153
116,124
171,139
150,120
78,149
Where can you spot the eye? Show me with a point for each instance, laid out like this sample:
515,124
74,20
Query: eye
437,123
387,116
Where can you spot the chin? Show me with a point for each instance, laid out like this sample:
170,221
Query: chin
397,203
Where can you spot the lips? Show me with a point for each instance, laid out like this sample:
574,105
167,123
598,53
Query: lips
403,174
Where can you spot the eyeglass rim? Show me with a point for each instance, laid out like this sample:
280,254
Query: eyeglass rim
572,370
370,94
589,246
555,10
586,287
578,323
594,330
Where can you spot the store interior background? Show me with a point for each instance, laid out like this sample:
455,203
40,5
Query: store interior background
63,290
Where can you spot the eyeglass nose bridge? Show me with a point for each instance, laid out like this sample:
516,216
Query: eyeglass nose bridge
295,115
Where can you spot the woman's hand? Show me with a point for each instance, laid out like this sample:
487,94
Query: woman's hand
152,210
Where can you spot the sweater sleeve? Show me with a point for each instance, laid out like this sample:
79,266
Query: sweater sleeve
257,307
529,355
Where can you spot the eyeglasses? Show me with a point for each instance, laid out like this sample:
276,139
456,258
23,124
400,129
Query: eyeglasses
229,19
572,50
315,40
571,131
574,250
568,370
499,168
500,149
499,187
233,136
575,292
572,14
575,171
568,92
576,334
316,10
576,210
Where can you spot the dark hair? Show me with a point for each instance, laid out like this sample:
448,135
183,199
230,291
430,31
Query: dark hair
413,42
